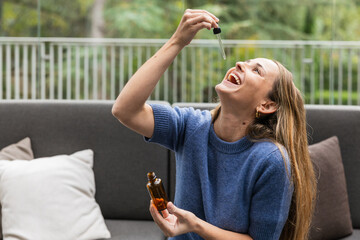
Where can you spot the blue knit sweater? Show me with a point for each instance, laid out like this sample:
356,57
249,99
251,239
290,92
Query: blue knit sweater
241,186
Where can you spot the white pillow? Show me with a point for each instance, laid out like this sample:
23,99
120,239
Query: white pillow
51,198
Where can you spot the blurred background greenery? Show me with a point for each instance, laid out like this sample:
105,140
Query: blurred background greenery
326,72
240,19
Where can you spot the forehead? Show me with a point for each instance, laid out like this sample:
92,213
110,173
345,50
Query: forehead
269,66
266,63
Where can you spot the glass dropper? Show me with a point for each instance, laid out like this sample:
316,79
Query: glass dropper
217,32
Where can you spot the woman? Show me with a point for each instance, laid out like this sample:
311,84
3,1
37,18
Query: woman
243,170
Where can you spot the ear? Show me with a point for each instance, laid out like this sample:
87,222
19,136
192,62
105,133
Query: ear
267,107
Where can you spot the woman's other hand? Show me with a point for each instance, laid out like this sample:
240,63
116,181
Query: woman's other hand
174,221
192,22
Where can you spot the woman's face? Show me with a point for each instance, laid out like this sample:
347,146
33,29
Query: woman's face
248,83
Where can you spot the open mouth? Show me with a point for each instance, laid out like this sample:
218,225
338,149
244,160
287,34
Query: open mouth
233,78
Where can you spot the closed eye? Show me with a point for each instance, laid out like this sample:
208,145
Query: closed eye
257,71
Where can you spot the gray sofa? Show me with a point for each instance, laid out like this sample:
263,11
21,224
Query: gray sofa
122,158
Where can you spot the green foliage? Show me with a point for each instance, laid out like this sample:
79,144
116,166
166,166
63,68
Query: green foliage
68,19
139,16
239,19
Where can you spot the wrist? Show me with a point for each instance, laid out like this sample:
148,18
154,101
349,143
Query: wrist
173,41
198,226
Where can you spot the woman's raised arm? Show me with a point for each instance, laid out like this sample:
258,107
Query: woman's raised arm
130,107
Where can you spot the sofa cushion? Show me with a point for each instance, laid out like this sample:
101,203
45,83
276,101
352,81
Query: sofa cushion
51,198
19,150
332,214
134,230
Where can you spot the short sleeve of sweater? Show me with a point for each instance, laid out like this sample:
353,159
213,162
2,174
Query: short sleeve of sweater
271,199
169,128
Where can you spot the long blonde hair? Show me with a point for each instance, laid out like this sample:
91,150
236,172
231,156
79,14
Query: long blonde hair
287,127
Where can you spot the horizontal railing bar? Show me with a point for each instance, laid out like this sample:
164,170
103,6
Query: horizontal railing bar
134,41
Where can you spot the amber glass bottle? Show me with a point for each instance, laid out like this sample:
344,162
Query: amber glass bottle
157,191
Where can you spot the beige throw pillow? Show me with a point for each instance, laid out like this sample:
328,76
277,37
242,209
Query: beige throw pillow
20,150
51,198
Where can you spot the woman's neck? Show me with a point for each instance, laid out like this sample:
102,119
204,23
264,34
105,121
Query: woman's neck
231,127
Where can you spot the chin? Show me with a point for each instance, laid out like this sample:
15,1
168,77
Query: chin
217,86
219,89
222,92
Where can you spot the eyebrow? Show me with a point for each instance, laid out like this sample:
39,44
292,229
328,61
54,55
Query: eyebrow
257,64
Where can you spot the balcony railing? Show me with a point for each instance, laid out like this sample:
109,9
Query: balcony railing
69,68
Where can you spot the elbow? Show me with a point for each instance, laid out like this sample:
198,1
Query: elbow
117,112
122,113
126,113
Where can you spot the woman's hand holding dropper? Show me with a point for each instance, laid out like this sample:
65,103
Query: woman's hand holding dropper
192,22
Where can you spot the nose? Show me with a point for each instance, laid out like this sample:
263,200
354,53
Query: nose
240,66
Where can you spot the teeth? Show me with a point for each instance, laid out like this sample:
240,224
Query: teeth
237,79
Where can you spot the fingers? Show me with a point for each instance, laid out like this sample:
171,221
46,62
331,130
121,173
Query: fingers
203,21
203,12
171,209
165,224
187,220
156,215
165,213
174,210
200,19
175,221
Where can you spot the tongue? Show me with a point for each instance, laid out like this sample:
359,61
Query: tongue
232,79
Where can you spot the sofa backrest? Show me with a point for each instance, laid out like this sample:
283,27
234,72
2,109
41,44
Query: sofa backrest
121,157
324,121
